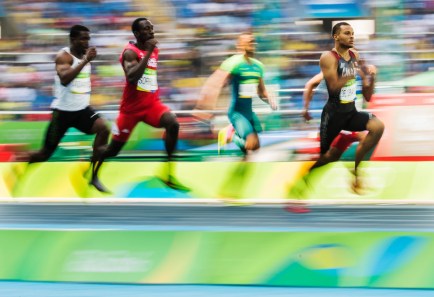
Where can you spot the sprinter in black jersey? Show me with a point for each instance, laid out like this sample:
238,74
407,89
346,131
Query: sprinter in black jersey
339,67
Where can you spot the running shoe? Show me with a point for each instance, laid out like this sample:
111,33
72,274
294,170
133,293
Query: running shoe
14,174
358,183
98,185
175,184
224,137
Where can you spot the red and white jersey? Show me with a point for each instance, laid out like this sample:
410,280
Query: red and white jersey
138,96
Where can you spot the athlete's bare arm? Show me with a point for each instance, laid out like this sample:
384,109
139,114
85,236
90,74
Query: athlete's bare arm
329,64
130,62
367,73
64,65
211,89
263,94
309,87
308,93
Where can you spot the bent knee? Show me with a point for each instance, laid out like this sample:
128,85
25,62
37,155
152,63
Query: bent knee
375,126
105,131
252,142
173,126
168,119
100,127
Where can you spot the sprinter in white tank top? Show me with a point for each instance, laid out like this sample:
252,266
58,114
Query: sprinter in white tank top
75,95
72,88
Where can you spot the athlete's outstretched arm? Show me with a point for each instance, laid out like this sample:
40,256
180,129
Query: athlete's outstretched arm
309,87
368,73
329,64
263,94
211,89
64,65
308,93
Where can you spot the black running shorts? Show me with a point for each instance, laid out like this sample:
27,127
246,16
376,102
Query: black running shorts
61,121
333,122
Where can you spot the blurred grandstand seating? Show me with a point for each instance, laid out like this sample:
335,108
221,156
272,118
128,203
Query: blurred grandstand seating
195,37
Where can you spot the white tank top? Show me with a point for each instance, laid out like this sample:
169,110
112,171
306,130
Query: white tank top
76,95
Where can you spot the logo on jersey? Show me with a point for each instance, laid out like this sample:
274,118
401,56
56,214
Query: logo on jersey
347,70
152,62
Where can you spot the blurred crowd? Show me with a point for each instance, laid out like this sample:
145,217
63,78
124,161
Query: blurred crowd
196,36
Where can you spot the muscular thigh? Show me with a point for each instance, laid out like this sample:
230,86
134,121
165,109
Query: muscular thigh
256,123
243,127
331,125
59,124
84,120
154,112
125,124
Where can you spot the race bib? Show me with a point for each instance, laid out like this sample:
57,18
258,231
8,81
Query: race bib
147,83
348,93
81,85
247,90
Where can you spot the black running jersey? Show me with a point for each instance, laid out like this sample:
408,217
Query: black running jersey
344,98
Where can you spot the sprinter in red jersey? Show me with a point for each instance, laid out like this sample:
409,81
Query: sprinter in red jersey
140,99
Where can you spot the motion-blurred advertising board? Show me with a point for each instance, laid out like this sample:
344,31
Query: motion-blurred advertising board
409,126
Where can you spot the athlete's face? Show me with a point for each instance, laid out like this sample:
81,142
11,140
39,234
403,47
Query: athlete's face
247,44
345,36
81,42
145,32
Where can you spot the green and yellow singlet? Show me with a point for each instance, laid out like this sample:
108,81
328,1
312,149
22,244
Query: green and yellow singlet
245,76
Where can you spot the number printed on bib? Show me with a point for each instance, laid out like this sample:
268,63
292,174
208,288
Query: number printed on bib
247,90
147,83
81,85
348,93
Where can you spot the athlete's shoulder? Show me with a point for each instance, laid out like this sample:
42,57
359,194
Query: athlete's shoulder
328,54
257,62
130,46
354,53
64,54
231,63
64,49
328,58
129,49
234,59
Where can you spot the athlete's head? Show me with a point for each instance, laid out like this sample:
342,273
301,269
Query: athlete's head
79,37
343,34
246,43
143,29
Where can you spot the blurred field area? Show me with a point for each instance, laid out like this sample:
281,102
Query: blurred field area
195,37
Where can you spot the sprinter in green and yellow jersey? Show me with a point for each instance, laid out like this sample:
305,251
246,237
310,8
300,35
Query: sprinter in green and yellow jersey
245,74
